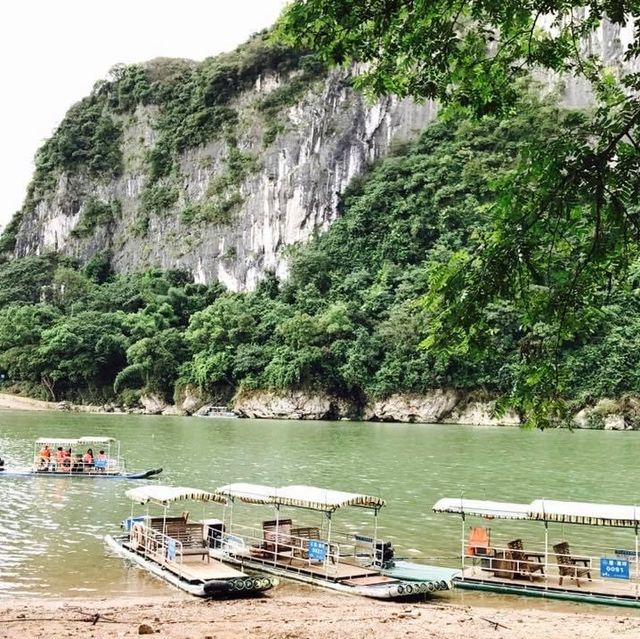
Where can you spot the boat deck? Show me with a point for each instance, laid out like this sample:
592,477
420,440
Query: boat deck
193,567
549,585
336,572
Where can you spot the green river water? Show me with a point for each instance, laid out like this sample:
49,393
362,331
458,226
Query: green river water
51,529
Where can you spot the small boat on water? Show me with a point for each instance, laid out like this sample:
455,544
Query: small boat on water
550,549
75,457
178,549
216,411
320,555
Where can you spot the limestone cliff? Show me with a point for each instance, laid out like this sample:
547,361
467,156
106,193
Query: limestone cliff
268,176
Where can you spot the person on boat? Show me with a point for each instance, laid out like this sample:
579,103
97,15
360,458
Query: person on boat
45,456
59,457
87,459
64,462
100,461
57,460
76,463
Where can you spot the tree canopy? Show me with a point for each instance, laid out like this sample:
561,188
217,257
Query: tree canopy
563,231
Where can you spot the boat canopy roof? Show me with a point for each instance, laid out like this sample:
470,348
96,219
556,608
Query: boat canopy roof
482,508
250,493
571,512
74,441
311,497
164,495
575,512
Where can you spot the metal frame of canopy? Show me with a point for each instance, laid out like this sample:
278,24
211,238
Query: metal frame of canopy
164,496
107,442
553,511
313,498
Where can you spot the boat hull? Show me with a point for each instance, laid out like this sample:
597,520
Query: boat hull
538,590
409,571
143,474
389,588
238,586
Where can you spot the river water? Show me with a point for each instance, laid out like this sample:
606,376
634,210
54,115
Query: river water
51,529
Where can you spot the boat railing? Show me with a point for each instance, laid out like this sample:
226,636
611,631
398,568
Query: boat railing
605,570
111,466
159,546
297,548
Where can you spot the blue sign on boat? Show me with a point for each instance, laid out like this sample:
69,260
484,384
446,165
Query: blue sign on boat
614,568
317,549
171,548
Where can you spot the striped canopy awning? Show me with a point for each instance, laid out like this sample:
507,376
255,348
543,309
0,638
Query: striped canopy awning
575,512
568,512
74,441
482,508
310,497
164,495
324,499
250,493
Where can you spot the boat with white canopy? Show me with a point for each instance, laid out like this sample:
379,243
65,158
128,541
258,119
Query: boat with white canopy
177,548
549,548
315,552
91,457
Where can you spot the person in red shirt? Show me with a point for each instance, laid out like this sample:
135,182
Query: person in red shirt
87,459
45,456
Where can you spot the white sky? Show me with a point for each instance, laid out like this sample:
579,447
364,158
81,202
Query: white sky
53,51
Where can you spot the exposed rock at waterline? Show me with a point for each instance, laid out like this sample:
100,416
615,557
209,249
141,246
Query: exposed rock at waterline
189,399
429,409
481,413
289,405
153,404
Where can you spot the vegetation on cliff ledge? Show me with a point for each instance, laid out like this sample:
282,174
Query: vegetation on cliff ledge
193,104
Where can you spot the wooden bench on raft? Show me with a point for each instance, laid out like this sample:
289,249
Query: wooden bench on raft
189,534
300,540
277,542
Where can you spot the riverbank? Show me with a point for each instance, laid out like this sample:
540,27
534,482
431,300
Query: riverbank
436,407
308,613
17,402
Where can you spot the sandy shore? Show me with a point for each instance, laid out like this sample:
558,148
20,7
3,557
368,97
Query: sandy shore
302,614
16,402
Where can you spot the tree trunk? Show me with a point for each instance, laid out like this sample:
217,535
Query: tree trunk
49,384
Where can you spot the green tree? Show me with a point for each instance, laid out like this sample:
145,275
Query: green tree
156,360
565,228
82,351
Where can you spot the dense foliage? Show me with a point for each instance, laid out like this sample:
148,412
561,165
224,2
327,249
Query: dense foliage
565,231
346,321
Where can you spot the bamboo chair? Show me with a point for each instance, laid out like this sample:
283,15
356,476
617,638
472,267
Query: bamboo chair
568,566
521,563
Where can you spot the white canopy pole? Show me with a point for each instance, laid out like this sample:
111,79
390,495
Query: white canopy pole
637,567
546,555
462,545
326,559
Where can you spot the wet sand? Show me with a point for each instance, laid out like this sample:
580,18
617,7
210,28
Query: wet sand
300,614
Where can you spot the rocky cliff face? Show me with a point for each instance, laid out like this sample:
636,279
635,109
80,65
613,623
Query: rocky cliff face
270,183
287,188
